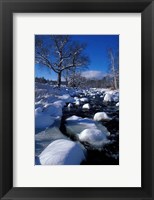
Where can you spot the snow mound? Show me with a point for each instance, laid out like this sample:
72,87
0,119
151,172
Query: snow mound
101,116
75,125
94,137
44,138
42,120
62,152
86,106
67,98
73,118
59,103
108,97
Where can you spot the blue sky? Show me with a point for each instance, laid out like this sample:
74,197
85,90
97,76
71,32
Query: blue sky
97,50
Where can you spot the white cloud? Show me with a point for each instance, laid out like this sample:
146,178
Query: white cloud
92,74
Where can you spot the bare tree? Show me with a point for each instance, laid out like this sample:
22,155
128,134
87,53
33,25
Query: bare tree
62,54
114,68
76,80
70,75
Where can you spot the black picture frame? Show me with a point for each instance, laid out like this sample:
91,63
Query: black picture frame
7,8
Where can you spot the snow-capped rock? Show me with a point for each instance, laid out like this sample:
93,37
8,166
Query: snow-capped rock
62,152
107,97
112,95
86,106
76,98
101,116
70,105
77,103
117,104
84,99
94,137
75,125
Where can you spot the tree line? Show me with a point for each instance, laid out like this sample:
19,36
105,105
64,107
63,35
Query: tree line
67,58
82,82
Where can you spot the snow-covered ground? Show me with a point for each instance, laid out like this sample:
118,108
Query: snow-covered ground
53,146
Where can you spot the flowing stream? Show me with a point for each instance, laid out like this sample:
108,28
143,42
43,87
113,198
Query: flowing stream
109,154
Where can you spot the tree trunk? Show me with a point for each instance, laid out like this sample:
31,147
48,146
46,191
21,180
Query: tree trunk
115,82
59,79
113,70
66,81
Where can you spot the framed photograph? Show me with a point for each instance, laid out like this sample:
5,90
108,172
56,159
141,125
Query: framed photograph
76,99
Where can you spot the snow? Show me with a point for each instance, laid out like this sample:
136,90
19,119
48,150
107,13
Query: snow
70,105
51,144
111,95
86,106
73,118
38,110
62,152
52,133
94,137
52,100
67,98
115,156
42,120
40,92
50,94
84,99
44,138
53,110
75,125
117,104
59,103
107,98
101,116
77,103
76,98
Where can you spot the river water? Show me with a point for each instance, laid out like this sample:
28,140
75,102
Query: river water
109,154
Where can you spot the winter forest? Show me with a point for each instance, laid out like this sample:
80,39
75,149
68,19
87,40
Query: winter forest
76,99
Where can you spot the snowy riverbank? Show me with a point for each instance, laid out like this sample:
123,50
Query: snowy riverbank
70,123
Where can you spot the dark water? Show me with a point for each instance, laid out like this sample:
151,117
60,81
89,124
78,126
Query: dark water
109,154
